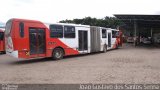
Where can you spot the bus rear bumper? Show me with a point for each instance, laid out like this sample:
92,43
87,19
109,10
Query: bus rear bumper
13,54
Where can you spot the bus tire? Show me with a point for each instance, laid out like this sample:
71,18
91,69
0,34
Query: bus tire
105,48
58,53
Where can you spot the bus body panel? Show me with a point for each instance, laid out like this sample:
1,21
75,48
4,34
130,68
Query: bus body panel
113,40
104,37
95,39
37,42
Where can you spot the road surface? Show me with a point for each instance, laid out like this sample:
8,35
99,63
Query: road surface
128,64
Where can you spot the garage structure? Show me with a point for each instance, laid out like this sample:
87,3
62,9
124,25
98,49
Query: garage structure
141,26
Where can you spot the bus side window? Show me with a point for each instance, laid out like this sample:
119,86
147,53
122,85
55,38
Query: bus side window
115,34
1,36
56,31
104,33
21,29
69,32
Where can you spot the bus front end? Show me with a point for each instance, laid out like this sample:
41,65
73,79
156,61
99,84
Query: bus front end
9,40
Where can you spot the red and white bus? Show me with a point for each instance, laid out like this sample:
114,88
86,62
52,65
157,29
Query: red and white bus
2,43
34,39
2,46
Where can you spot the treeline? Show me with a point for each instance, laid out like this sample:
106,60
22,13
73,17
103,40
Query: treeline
109,22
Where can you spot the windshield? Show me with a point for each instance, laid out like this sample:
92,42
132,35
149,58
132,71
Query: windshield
8,27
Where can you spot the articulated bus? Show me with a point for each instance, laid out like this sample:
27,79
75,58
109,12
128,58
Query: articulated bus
2,44
33,39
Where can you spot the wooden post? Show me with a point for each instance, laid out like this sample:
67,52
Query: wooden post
151,32
135,32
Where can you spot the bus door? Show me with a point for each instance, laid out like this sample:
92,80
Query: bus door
109,39
83,40
37,41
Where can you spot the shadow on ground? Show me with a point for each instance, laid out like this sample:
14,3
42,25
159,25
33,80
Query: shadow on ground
148,47
39,60
143,46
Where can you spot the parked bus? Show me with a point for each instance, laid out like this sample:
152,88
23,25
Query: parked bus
33,39
2,44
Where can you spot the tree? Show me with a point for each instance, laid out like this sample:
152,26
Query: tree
109,22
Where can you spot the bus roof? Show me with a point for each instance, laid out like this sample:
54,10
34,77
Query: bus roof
67,24
72,24
36,21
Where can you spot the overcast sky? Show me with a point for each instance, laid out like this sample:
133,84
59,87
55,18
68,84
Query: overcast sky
56,10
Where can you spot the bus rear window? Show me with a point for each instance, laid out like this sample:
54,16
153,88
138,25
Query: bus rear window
8,27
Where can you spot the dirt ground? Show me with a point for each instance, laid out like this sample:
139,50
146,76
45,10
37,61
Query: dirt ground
128,64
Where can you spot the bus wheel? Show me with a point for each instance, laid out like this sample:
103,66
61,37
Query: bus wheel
57,54
105,48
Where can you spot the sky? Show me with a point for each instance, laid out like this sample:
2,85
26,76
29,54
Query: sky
56,10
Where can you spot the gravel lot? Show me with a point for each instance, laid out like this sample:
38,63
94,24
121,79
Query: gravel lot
125,65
